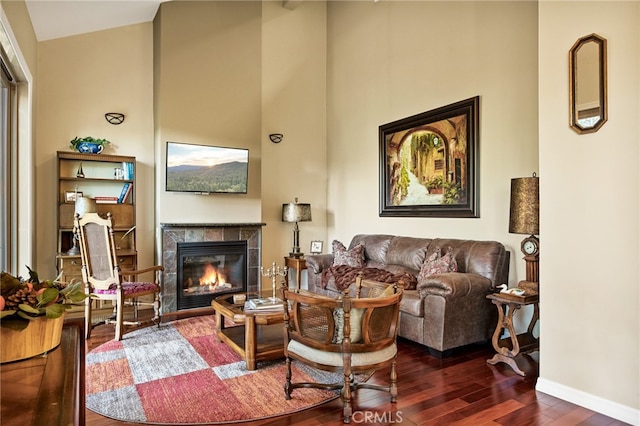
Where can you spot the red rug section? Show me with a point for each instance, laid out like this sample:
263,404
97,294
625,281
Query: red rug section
205,395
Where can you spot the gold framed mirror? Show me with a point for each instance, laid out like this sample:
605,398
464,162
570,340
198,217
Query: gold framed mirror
588,84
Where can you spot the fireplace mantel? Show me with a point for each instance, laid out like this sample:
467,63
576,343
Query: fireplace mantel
174,233
208,225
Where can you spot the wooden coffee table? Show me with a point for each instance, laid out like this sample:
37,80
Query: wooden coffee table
258,336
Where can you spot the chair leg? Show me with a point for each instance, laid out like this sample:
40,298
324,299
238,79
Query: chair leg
393,389
347,410
135,309
119,314
157,318
287,383
87,317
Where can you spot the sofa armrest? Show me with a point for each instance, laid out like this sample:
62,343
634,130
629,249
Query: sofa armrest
453,285
318,262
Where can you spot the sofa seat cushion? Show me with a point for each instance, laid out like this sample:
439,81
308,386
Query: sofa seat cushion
399,270
412,303
343,276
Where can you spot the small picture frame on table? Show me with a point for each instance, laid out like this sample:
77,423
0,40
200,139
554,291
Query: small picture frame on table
70,196
316,247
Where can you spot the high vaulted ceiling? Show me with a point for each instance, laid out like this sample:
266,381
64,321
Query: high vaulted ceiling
61,18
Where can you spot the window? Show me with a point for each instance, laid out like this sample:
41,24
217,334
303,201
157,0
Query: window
7,169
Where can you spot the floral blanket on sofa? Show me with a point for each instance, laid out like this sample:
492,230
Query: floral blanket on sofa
345,275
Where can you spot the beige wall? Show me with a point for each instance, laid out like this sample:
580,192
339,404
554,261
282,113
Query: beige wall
590,192
294,104
385,61
391,60
81,78
208,67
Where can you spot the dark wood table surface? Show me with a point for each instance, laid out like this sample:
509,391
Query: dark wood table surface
47,389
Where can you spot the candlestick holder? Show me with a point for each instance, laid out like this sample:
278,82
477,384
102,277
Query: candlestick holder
274,272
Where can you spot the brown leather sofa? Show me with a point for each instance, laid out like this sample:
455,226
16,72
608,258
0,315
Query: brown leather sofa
444,311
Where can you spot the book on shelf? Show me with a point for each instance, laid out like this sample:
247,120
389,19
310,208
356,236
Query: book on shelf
127,170
263,304
126,189
106,200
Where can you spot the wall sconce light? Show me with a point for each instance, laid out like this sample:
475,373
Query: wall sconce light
276,137
296,212
114,117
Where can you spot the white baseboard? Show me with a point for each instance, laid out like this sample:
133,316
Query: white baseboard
592,402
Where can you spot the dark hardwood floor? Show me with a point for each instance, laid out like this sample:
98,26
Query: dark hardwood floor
458,390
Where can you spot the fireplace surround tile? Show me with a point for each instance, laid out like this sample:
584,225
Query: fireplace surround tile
174,233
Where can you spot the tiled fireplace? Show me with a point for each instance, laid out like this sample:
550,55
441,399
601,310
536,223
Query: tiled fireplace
191,252
207,269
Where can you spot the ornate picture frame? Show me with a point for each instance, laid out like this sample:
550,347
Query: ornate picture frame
429,163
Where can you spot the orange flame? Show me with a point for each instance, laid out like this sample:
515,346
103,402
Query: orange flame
211,276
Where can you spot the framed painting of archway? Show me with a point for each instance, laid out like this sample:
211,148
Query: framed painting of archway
429,163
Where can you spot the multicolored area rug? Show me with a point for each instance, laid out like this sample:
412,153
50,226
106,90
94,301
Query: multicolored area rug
179,373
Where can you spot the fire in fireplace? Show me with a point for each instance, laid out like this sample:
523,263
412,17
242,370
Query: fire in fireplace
209,269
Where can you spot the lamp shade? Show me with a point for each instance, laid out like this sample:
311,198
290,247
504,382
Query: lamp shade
296,212
524,214
85,205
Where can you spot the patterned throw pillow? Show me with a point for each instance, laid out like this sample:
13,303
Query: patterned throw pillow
451,259
436,263
342,256
355,324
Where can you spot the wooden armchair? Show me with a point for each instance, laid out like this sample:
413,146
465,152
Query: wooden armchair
104,280
347,334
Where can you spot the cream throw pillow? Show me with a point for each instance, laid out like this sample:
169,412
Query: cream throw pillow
355,320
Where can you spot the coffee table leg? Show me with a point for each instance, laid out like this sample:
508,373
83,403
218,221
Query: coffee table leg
250,342
219,324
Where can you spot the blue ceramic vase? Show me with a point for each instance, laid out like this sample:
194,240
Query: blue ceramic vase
89,148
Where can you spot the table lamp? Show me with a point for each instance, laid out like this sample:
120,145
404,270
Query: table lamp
296,212
83,205
524,218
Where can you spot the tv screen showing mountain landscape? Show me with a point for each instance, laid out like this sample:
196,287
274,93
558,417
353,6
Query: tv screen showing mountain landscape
208,169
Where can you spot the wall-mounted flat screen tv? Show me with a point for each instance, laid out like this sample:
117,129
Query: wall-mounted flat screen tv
206,169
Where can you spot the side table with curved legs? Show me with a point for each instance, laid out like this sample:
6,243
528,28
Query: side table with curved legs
508,348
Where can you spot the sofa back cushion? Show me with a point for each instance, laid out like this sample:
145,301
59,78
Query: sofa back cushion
375,247
399,254
484,258
407,251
